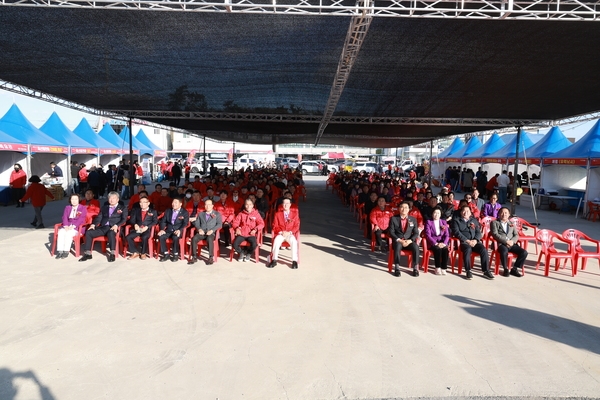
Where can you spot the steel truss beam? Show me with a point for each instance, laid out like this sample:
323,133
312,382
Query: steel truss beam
359,26
465,9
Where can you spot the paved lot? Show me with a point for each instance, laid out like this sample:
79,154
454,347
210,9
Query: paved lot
338,327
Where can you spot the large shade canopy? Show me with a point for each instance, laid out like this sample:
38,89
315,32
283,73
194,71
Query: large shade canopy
268,78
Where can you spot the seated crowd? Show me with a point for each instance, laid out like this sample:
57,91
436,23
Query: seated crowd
410,216
174,223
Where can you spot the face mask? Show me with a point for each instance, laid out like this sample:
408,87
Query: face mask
188,195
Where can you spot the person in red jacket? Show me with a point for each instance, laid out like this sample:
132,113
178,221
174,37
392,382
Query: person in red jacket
92,206
380,218
17,182
286,227
247,225
227,209
37,193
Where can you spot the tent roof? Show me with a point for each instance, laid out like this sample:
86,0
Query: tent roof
586,147
108,133
54,127
137,145
6,138
249,66
509,149
145,140
493,144
455,146
553,141
472,145
15,124
85,131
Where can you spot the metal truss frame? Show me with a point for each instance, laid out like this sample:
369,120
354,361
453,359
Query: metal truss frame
462,9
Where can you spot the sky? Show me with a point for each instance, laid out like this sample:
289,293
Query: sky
38,111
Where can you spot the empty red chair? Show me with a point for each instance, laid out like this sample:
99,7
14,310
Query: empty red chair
593,211
574,236
521,224
549,251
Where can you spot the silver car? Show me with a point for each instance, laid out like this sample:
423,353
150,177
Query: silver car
310,167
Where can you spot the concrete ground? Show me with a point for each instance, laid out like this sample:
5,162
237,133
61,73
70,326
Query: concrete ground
339,327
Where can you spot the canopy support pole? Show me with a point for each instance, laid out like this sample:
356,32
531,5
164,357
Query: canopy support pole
430,162
516,171
204,156
131,167
69,177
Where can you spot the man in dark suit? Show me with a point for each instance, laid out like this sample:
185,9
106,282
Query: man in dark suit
171,226
112,216
506,235
207,224
404,233
143,219
468,231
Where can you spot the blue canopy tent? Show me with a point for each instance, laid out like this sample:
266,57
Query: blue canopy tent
553,141
145,140
141,148
109,134
43,149
109,153
499,160
11,152
575,169
438,167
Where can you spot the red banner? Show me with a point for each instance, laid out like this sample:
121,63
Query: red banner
565,161
109,151
595,161
472,160
456,160
495,160
530,161
160,153
13,147
48,149
83,150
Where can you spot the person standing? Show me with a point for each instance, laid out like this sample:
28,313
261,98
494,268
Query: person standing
176,173
404,232
74,169
503,182
55,172
83,178
17,183
73,217
505,233
37,193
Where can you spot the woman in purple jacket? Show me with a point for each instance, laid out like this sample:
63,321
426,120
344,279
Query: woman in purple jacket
437,234
491,209
72,219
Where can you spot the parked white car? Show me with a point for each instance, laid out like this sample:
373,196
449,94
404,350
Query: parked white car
364,166
245,162
310,167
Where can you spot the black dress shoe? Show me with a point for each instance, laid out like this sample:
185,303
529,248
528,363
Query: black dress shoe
34,224
192,260
515,272
111,257
65,254
415,272
294,264
396,271
85,257
506,272
469,275
59,255
488,275
175,258
40,226
163,257
209,261
272,264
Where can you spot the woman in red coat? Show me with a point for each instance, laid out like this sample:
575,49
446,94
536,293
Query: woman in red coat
37,193
18,180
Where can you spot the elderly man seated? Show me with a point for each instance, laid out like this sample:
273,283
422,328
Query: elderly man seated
112,216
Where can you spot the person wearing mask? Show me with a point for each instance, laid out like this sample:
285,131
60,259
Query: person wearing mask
74,216
404,232
143,219
172,226
17,183
37,193
207,225
112,216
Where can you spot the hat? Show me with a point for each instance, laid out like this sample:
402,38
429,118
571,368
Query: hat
35,178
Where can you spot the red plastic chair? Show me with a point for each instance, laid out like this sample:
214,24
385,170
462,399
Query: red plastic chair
486,223
574,236
546,238
284,245
103,240
169,243
259,239
403,252
202,243
138,239
593,211
456,252
76,239
521,224
384,235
